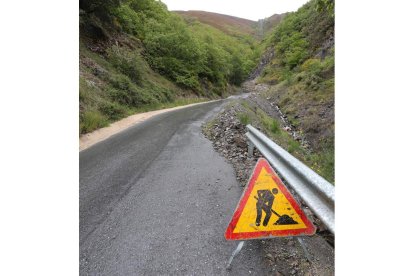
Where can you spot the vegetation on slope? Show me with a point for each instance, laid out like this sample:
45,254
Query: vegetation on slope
302,79
136,55
229,58
230,25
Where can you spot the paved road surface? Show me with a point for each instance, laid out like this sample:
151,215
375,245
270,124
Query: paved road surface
156,199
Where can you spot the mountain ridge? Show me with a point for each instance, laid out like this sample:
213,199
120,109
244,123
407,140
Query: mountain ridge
227,23
233,25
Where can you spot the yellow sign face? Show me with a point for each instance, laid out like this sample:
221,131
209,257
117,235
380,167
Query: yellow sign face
267,209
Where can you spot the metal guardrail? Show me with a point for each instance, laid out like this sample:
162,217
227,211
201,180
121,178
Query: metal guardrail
317,193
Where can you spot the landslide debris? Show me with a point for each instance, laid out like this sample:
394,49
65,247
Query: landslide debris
228,136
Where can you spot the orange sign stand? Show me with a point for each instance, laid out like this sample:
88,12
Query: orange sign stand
267,209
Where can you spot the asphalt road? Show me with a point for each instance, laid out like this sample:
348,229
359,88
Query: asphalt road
156,199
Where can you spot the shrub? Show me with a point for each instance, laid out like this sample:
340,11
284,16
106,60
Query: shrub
113,111
188,81
293,146
274,127
120,81
91,120
311,64
244,118
125,92
128,62
160,94
130,20
295,56
124,96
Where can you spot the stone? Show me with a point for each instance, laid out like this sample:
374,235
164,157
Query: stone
270,257
240,142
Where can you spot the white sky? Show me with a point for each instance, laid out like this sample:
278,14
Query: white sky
253,10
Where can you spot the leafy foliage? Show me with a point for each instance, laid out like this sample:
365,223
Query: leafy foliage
298,37
327,5
127,62
188,53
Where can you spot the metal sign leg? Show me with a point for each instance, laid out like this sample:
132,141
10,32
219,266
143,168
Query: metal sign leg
235,252
250,147
302,244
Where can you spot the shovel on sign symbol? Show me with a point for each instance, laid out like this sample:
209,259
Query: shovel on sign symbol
283,219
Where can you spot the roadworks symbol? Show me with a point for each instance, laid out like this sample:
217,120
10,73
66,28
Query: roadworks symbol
267,209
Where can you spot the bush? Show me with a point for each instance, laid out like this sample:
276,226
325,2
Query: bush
120,81
160,94
188,81
293,146
244,118
127,97
130,20
128,62
274,127
123,91
311,64
91,120
113,111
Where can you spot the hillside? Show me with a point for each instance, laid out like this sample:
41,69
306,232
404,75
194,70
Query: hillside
301,78
137,56
268,23
228,24
232,25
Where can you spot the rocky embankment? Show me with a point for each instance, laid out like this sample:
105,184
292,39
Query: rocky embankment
228,136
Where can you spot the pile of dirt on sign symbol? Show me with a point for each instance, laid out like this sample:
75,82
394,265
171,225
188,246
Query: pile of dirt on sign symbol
285,220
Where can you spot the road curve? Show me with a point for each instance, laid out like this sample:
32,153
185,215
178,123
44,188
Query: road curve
156,198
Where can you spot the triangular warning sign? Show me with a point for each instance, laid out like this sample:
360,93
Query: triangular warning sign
267,209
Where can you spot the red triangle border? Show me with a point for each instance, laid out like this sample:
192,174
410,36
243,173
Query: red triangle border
229,235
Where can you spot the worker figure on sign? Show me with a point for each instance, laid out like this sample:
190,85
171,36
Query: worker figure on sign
264,203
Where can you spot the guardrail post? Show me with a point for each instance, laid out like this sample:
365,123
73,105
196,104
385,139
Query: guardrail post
250,147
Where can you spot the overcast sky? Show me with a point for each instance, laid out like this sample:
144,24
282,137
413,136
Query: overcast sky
254,10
